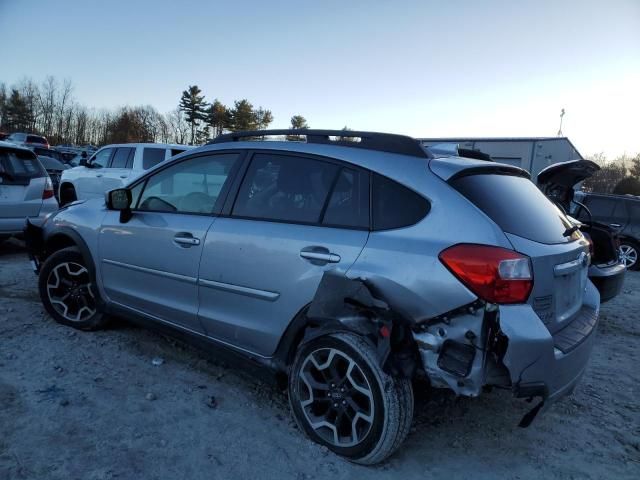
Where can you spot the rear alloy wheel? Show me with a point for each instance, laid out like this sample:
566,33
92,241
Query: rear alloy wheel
68,292
342,399
629,255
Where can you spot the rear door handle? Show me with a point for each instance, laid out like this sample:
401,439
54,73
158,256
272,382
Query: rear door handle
320,256
615,225
186,240
123,176
98,175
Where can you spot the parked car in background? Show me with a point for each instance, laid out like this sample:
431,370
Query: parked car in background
3,135
111,167
606,271
28,139
26,191
621,213
349,267
47,152
54,168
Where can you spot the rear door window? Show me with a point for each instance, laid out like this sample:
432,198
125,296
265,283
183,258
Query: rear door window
348,205
516,205
600,207
152,156
394,205
121,157
285,188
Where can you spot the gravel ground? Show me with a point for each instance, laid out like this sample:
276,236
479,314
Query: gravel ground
79,405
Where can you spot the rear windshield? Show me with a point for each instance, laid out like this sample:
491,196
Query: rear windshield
16,166
516,205
36,139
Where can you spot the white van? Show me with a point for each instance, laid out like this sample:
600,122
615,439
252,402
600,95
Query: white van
111,167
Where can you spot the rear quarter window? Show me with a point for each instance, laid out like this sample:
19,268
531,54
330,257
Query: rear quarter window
516,205
394,205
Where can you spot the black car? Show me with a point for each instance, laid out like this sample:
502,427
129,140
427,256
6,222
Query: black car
607,269
622,214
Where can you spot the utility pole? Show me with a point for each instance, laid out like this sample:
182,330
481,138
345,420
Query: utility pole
561,116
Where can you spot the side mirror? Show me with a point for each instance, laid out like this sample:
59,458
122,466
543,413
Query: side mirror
83,162
120,199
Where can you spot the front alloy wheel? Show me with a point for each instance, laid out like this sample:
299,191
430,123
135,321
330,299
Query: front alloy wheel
629,256
341,398
68,292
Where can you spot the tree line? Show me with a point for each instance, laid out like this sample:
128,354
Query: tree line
620,176
50,109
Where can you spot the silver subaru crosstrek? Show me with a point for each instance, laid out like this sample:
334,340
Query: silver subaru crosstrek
348,262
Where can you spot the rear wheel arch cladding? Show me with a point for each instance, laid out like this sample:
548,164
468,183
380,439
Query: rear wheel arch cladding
355,305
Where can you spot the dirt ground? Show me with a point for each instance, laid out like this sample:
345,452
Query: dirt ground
94,406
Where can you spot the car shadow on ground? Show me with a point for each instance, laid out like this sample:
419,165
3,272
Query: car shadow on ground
12,246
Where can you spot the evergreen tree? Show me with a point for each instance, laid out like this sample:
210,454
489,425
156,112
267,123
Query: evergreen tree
242,116
218,117
193,105
16,111
298,121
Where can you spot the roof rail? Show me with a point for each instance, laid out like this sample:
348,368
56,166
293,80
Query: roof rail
384,142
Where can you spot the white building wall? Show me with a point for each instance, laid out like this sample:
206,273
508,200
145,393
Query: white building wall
532,154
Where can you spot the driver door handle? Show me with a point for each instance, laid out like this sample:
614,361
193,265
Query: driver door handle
319,255
186,240
615,225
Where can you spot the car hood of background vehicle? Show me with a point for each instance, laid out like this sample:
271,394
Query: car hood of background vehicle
51,163
567,174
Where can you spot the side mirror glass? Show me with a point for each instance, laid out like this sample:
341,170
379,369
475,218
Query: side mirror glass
119,199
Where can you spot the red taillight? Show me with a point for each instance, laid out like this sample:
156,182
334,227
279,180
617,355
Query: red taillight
495,274
48,189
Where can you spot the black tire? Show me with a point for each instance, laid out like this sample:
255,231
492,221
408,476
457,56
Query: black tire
67,194
68,292
388,405
629,250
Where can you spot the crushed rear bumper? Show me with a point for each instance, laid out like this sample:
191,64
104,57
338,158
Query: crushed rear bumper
509,346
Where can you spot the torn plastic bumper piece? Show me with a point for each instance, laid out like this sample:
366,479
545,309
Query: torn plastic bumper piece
513,349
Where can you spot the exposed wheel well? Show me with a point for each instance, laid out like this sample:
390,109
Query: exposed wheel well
58,242
630,240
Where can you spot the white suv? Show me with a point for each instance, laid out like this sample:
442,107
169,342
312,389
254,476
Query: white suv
113,166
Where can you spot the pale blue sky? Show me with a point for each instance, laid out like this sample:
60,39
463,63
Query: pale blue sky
425,68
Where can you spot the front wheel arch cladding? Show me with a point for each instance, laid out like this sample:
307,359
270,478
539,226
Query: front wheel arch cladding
357,306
